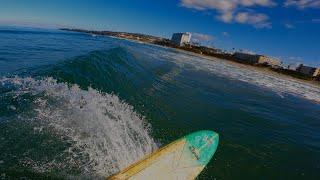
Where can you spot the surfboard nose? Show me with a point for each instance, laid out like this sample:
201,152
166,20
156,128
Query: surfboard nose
203,145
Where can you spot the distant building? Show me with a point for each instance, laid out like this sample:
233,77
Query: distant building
294,67
269,61
256,59
181,38
317,73
307,70
246,57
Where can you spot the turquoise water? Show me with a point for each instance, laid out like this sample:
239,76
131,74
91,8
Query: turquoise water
78,106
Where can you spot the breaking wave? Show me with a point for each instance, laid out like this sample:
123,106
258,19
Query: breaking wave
105,133
280,84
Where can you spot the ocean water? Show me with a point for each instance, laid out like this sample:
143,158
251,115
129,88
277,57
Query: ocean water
77,106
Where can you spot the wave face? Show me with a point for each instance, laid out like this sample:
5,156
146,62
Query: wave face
112,70
104,133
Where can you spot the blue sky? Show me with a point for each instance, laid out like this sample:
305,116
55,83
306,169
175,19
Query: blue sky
287,29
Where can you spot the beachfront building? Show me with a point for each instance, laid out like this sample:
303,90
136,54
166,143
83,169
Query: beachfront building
307,70
246,57
317,73
294,67
181,39
269,61
256,59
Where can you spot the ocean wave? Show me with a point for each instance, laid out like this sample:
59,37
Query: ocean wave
280,84
105,133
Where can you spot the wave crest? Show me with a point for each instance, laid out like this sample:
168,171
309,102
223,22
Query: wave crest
106,134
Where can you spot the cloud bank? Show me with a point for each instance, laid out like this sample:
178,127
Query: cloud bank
232,10
199,38
302,4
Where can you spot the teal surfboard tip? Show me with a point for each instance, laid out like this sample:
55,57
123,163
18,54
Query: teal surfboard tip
203,144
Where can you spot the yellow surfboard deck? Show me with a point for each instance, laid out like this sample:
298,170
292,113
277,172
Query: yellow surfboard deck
183,159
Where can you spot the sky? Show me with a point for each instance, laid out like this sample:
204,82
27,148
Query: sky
286,29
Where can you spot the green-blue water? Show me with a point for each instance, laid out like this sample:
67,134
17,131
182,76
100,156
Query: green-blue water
78,106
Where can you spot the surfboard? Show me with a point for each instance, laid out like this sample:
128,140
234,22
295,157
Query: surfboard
183,159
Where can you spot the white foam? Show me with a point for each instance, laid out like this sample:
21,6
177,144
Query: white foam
280,84
104,130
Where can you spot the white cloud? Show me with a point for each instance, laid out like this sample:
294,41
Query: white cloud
295,58
315,20
258,20
198,37
302,4
227,10
247,51
209,4
226,34
257,2
224,5
226,17
289,26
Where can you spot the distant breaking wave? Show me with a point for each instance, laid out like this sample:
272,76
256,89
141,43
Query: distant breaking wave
105,133
279,84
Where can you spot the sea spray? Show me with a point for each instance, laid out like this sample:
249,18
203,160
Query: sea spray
105,133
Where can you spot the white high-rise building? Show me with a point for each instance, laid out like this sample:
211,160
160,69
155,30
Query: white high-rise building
181,38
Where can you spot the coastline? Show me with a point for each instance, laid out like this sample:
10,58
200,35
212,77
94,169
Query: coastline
240,65
246,66
225,57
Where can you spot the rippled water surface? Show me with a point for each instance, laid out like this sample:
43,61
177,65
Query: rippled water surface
78,106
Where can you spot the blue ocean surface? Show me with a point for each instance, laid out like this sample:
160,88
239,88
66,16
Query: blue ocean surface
75,105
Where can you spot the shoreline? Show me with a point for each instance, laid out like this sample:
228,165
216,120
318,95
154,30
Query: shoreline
235,63
247,66
165,43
